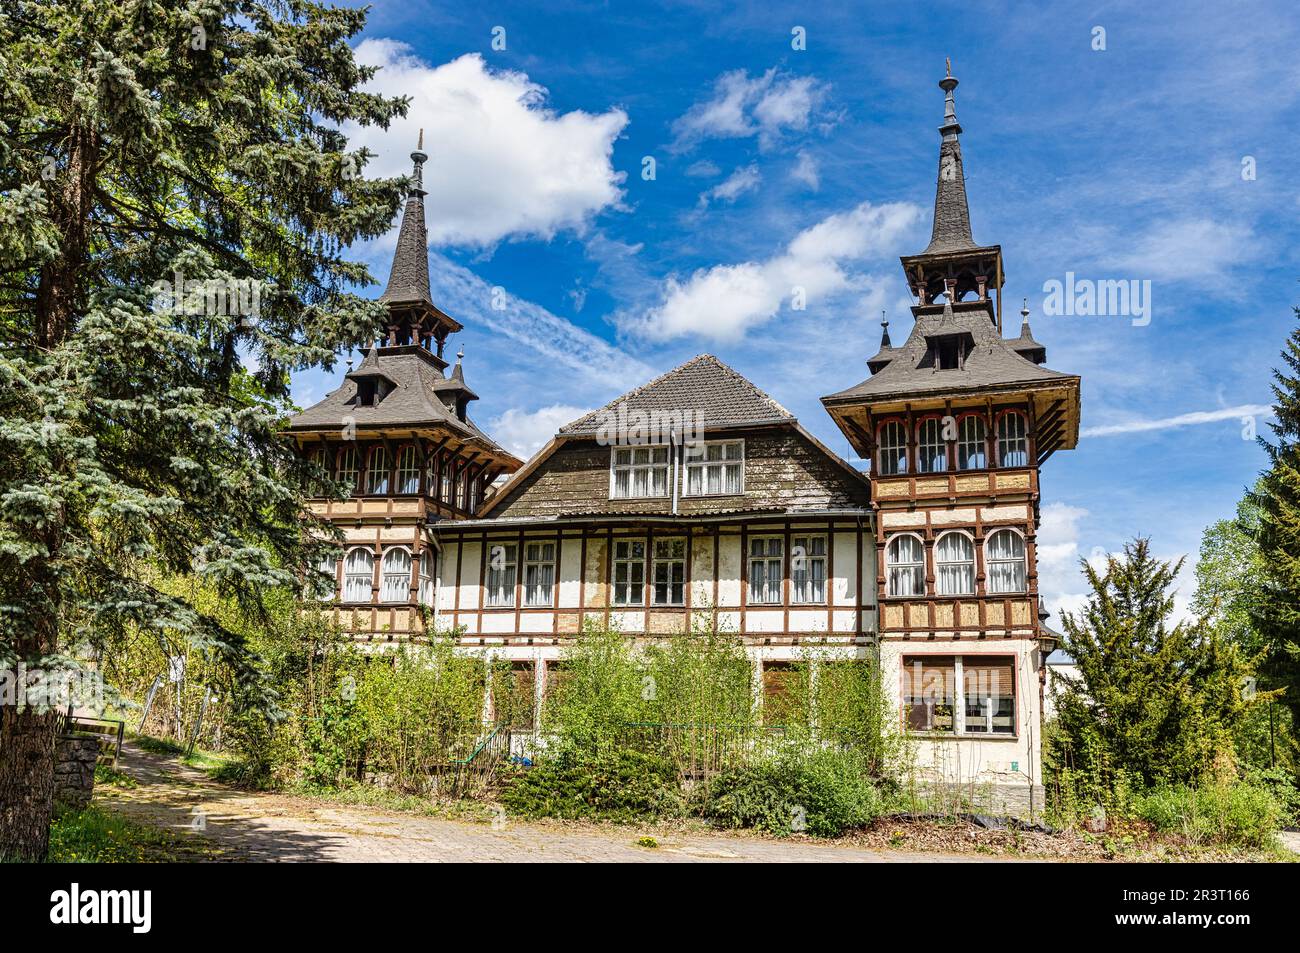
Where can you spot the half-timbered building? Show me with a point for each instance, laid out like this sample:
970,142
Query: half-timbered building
696,500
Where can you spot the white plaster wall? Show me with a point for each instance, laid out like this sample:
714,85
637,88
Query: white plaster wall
570,573
729,570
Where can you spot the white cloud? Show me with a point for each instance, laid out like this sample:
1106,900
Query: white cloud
725,301
744,179
741,107
805,170
703,169
523,433
1059,579
501,164
1196,250
1144,425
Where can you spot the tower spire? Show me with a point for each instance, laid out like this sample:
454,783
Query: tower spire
951,230
408,280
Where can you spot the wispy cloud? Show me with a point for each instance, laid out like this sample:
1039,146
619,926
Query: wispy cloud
765,106
744,179
1144,425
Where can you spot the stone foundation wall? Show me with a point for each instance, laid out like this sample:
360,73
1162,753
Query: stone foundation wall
74,769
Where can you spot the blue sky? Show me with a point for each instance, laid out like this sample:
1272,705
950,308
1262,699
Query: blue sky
775,166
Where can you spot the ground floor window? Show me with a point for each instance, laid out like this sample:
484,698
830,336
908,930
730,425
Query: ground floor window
784,693
513,694
955,694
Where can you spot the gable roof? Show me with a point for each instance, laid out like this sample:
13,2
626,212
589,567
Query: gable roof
413,401
992,361
703,385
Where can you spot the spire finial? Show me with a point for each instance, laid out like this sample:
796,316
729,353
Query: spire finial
1024,312
947,63
460,354
418,157
884,330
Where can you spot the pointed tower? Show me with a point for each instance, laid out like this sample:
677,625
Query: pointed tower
956,422
398,436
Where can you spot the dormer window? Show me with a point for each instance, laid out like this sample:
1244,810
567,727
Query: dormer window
947,352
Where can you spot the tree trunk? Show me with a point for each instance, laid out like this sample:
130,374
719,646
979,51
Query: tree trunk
26,781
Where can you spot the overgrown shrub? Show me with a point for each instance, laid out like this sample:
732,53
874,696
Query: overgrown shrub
1239,814
825,793
620,786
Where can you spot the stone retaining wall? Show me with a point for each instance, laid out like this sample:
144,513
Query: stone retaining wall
74,769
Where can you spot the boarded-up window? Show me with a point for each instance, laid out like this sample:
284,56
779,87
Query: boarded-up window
784,693
512,695
986,703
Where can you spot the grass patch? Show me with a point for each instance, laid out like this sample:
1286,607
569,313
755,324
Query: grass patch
108,776
97,836
362,795
210,762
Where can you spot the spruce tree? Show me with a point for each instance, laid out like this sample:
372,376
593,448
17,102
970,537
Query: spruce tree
1154,699
195,145
1276,611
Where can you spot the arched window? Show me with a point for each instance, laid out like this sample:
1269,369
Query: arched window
396,583
445,495
1004,555
427,581
347,469
931,448
408,470
893,448
1013,442
954,565
972,453
323,583
377,472
358,575
905,561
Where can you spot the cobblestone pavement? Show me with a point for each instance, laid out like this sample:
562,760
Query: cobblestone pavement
274,827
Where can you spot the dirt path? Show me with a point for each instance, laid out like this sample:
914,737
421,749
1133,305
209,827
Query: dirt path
275,827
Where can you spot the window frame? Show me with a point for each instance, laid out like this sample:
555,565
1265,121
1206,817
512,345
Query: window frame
810,559
910,564
387,472
629,561
989,563
1023,438
631,468
509,570
403,594
705,464
901,426
537,564
983,442
347,476
369,577
767,558
939,564
403,474
656,561
427,590
960,696
922,445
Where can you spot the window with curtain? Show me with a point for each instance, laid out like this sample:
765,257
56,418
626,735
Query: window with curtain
503,563
1013,441
1004,559
905,566
714,469
639,472
445,482
766,569
988,695
669,572
539,574
428,582
893,448
395,586
323,583
929,693
972,452
954,565
408,471
931,448
358,575
347,469
377,472
808,569
629,572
